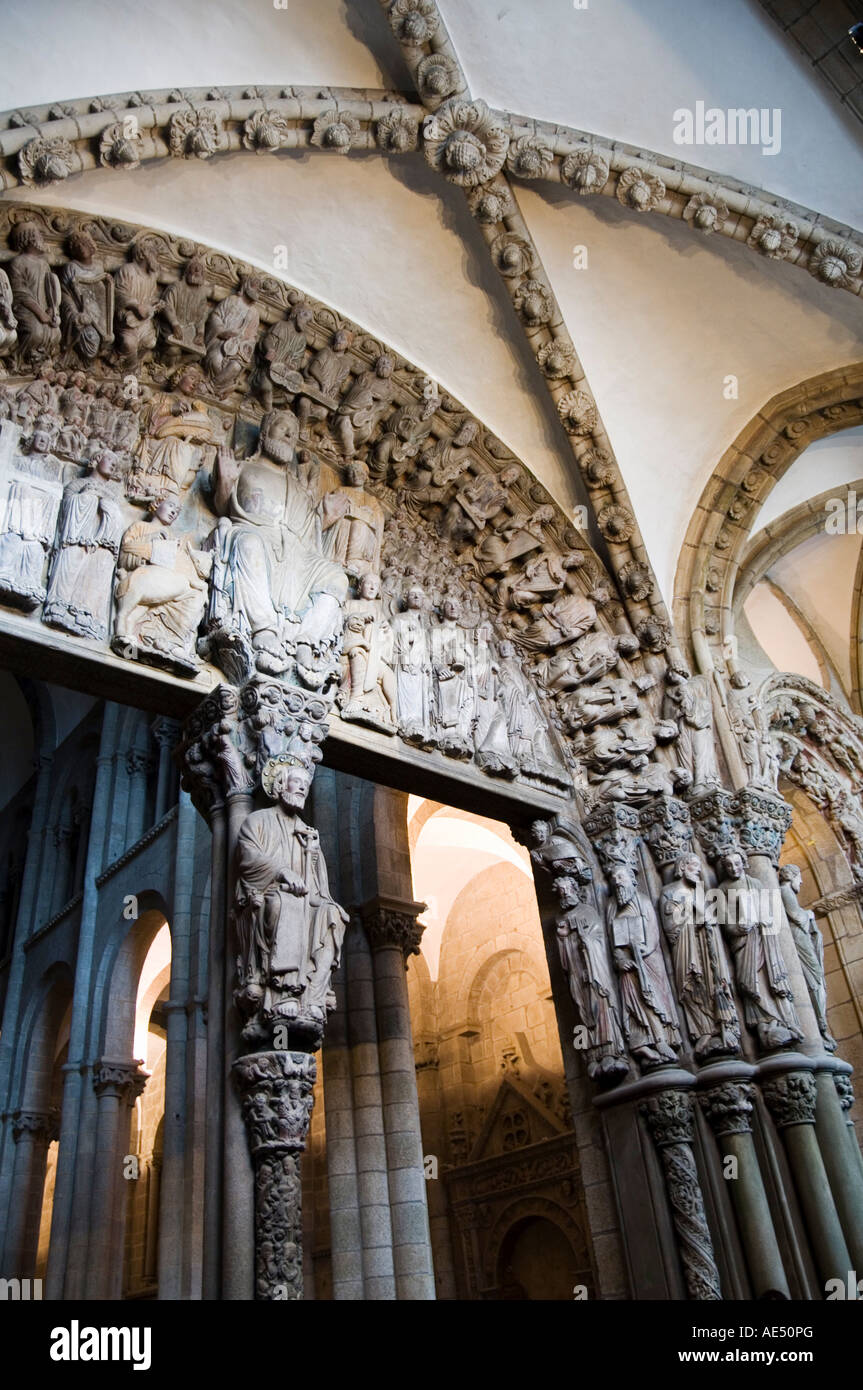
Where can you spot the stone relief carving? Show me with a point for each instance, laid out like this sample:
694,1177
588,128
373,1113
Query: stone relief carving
35,293
585,957
702,977
89,532
288,928
366,538
752,935
810,947
32,492
161,591
649,1013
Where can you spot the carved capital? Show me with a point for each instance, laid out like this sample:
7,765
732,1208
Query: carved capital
234,734
393,922
669,1118
763,818
426,1054
166,731
751,821
845,1091
613,831
39,1125
137,760
728,1108
276,1090
791,1099
714,822
122,1079
666,827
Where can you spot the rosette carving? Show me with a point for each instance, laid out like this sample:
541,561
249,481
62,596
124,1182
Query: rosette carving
585,171
464,142
835,263
265,131
578,412
414,22
529,157
773,236
397,132
640,190
335,130
707,214
45,161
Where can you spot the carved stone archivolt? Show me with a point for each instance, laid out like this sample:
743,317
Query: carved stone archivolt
206,472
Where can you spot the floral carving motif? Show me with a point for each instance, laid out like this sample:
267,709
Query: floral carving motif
598,468
578,412
706,213
45,161
529,157
335,130
636,581
616,523
437,77
491,205
414,22
556,358
836,263
120,145
640,190
464,141
533,301
397,132
512,254
773,236
265,131
195,134
585,171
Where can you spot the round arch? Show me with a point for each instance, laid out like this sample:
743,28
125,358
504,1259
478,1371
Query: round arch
715,551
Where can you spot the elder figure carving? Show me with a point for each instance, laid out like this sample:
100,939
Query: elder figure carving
185,305
280,356
230,334
289,930
87,300
136,303
277,598
35,293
